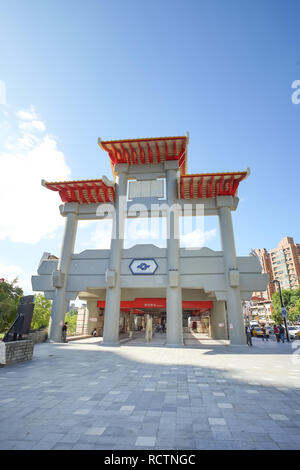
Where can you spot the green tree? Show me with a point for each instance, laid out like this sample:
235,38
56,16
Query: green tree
72,313
71,318
291,302
297,307
10,294
41,312
295,296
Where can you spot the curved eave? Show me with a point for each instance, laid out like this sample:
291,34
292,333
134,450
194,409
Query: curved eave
147,151
210,185
83,191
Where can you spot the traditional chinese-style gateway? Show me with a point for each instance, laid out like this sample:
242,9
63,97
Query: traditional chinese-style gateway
172,281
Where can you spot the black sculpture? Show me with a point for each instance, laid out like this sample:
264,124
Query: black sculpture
21,325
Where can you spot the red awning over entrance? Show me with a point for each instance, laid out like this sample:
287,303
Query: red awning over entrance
159,303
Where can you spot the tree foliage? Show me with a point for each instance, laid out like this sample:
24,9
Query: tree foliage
41,312
291,301
10,294
71,318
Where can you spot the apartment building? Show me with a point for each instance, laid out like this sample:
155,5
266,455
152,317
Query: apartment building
281,263
265,261
285,263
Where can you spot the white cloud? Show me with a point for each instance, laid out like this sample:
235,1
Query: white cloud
197,238
29,121
10,271
29,212
142,230
27,114
32,126
138,232
100,236
135,233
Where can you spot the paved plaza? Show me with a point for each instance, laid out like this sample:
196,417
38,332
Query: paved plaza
205,395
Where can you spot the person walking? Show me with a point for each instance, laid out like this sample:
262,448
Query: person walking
276,333
281,332
264,332
248,335
64,332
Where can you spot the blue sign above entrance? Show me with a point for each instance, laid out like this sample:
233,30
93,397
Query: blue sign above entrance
143,266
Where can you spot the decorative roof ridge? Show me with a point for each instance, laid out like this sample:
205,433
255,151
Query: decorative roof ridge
247,172
104,180
100,141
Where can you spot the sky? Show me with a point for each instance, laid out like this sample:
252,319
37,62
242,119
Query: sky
73,71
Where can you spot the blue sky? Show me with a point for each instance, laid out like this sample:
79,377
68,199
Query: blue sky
78,70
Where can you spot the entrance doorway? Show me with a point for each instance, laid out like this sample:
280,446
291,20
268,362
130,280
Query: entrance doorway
196,323
150,325
136,314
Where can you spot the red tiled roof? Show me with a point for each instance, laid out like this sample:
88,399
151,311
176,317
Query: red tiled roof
147,151
83,191
209,185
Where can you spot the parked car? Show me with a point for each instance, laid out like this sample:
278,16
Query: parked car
294,332
257,331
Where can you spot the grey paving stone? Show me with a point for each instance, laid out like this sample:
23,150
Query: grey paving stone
266,445
64,446
43,445
196,384
217,421
145,441
83,446
220,433
204,444
23,445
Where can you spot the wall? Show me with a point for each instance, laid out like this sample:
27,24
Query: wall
16,351
39,336
199,268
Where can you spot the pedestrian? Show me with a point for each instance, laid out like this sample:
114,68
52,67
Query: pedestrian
281,332
276,332
64,332
248,335
264,332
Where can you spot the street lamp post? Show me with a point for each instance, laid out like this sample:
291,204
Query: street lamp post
282,310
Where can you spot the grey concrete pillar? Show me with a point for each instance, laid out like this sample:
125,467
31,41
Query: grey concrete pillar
80,321
131,320
148,332
86,321
173,292
113,289
92,311
218,321
236,328
60,277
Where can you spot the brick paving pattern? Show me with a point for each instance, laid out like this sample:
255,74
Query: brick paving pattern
206,395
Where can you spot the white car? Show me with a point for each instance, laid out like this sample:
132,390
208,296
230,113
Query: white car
294,332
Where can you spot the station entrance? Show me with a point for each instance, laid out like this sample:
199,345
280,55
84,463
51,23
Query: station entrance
146,318
150,180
